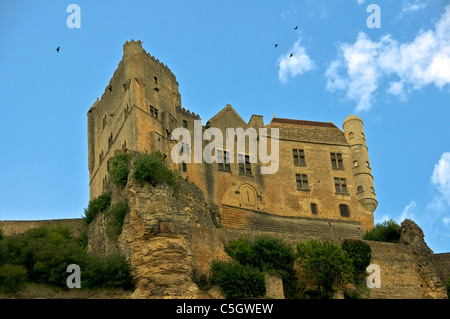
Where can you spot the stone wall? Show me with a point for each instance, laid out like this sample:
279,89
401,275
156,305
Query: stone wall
10,227
442,262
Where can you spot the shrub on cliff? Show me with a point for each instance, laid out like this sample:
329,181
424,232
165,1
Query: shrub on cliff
120,168
96,206
115,216
238,281
152,168
388,231
324,265
360,254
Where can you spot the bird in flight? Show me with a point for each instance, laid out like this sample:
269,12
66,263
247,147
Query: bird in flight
276,44
291,55
57,49
296,27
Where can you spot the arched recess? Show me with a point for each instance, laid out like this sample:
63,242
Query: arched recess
245,196
248,196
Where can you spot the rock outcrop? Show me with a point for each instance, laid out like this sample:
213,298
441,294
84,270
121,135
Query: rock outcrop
413,237
156,237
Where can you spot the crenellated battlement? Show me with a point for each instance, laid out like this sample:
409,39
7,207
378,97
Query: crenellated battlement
186,112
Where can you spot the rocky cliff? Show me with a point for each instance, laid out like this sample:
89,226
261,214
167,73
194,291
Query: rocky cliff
156,237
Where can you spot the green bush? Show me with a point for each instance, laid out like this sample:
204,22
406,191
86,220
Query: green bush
152,168
360,254
12,277
96,206
325,265
388,231
120,168
238,281
115,216
267,254
105,271
46,252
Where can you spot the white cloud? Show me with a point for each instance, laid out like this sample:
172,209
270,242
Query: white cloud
446,221
412,6
361,66
441,177
407,212
294,65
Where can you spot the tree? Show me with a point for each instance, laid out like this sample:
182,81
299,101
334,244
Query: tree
324,265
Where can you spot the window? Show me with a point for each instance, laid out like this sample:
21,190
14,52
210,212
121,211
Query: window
184,123
344,210
183,166
223,160
302,182
355,164
104,122
362,135
336,160
299,157
110,140
313,208
155,79
340,185
360,189
153,111
372,190
244,164
185,149
351,135
367,164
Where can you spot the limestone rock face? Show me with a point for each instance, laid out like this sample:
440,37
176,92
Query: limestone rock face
156,238
412,236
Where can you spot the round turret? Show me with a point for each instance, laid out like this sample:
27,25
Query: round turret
354,133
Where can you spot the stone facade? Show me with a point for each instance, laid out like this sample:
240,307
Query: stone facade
323,172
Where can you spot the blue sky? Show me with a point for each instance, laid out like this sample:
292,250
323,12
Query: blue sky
396,78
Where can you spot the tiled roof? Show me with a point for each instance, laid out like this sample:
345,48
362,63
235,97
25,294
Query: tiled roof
309,131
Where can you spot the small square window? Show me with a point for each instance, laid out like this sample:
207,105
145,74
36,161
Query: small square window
313,208
155,79
184,123
345,212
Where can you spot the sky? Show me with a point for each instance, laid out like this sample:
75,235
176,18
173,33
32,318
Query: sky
389,65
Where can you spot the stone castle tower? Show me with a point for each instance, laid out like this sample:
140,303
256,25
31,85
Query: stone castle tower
324,181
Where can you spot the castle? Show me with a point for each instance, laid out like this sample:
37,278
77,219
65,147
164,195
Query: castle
322,189
324,173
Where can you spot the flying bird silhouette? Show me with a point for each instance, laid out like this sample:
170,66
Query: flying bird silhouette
57,49
276,44
296,27
291,55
